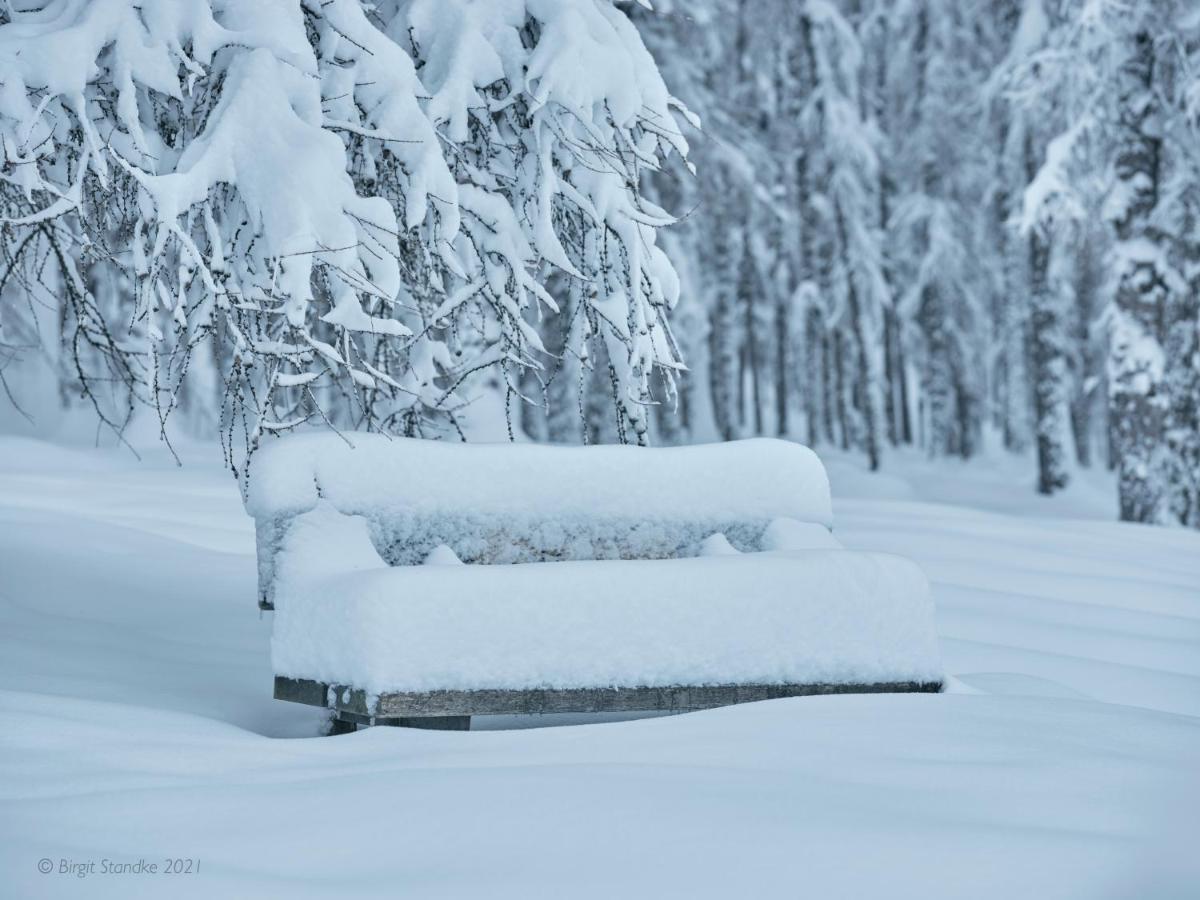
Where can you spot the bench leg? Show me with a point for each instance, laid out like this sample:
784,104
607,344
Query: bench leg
436,723
339,726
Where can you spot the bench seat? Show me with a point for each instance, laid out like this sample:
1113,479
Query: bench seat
796,617
452,710
717,589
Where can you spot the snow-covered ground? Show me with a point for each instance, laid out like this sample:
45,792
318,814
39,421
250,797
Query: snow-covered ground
136,721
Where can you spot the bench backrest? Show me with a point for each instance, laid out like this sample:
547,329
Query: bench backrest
514,503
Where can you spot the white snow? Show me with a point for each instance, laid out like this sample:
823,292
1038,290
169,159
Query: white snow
362,474
757,618
136,720
460,150
717,544
513,503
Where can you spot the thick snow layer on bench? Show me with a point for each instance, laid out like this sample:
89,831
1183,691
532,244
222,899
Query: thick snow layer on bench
342,616
367,474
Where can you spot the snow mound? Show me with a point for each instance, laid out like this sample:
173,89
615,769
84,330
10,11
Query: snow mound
799,617
359,474
520,503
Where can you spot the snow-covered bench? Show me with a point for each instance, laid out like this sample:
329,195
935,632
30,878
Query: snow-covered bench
421,583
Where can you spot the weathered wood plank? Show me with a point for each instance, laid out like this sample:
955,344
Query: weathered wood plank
570,700
637,699
433,723
301,690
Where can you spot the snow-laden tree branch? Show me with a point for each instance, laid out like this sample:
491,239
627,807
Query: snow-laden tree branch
336,210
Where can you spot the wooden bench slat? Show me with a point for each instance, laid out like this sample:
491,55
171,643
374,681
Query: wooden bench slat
569,700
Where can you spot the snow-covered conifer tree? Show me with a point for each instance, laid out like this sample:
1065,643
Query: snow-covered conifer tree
1123,76
1044,229
848,173
940,297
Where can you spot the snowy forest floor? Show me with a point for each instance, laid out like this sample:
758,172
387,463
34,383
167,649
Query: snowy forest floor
136,721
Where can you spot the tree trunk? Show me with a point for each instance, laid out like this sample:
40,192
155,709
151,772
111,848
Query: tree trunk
906,425
1137,397
1183,415
783,362
721,365
814,393
750,290
840,390
938,387
1047,353
828,386
866,356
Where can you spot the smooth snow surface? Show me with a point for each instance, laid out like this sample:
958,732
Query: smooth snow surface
342,616
366,473
136,720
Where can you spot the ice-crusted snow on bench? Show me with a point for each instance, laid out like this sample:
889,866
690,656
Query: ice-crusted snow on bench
596,579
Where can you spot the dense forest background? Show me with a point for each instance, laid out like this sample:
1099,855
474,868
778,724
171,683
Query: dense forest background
931,223
937,223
